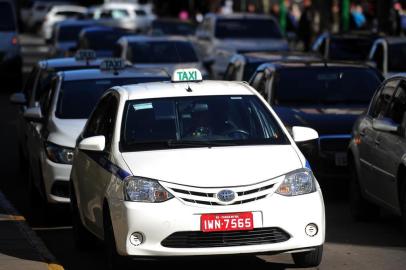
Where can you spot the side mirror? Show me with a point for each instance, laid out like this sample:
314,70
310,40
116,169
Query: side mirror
303,134
34,114
18,99
385,124
95,143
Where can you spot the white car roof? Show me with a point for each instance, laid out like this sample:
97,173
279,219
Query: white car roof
180,89
138,38
68,8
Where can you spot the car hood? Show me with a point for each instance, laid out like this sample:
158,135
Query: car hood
246,45
65,132
216,166
324,119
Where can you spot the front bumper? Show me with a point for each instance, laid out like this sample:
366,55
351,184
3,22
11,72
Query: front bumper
157,221
56,181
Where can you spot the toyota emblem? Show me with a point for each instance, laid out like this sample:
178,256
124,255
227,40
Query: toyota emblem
226,195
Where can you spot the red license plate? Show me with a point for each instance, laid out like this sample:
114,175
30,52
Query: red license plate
227,222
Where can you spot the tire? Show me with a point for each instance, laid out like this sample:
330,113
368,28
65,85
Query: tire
83,239
360,208
308,258
113,259
35,197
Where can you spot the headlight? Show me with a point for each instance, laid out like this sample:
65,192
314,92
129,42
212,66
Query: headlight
298,182
138,189
59,154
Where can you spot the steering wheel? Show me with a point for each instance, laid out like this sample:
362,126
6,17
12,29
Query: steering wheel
239,132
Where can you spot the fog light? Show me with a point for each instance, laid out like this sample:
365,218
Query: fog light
136,239
311,229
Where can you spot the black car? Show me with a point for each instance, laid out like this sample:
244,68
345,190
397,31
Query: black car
377,154
349,46
101,39
242,66
326,96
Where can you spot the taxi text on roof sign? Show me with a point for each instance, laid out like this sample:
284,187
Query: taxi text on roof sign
85,55
187,75
112,64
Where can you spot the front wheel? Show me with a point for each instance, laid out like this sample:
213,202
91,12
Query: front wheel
113,259
361,209
82,237
308,258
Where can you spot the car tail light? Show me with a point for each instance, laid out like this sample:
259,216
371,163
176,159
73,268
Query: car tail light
14,41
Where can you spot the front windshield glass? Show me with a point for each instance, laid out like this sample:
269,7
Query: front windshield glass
321,85
162,52
397,57
349,48
198,121
77,98
247,28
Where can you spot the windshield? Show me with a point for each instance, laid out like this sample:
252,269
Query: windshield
104,40
247,28
77,98
321,85
161,52
349,48
397,57
7,21
173,28
198,121
70,33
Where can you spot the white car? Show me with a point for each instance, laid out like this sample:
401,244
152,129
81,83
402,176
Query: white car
63,113
60,13
168,52
128,16
190,168
38,12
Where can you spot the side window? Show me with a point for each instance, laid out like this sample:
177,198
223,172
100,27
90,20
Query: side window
102,120
397,107
383,99
378,57
230,72
259,82
30,83
46,98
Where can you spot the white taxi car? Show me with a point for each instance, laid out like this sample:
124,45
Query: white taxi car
192,167
62,114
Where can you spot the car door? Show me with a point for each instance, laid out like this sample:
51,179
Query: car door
38,134
388,152
369,177
93,172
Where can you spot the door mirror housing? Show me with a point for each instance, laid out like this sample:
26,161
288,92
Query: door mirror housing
304,134
18,99
385,124
34,114
95,143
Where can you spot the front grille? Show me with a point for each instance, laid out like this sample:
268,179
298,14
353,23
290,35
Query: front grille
334,144
198,239
208,196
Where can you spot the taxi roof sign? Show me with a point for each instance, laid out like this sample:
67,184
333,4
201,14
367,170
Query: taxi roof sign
113,64
187,75
85,55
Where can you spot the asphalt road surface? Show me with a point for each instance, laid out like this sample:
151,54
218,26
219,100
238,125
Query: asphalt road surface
377,244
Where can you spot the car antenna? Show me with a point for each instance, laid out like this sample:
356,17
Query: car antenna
188,89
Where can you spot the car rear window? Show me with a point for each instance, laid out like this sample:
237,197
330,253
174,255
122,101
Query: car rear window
102,40
161,52
78,98
7,19
325,85
397,57
70,33
247,28
350,48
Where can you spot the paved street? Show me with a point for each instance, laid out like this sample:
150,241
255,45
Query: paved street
377,244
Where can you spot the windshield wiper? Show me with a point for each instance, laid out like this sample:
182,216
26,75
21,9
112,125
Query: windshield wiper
197,143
